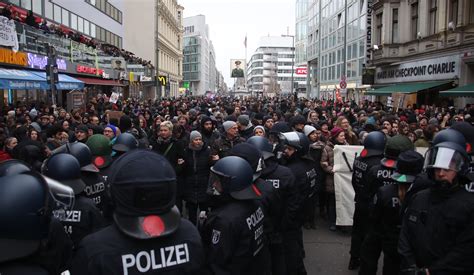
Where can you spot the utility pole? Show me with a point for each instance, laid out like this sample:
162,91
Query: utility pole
157,51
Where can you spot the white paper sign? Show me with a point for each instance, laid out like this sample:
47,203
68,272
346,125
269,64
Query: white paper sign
114,98
8,35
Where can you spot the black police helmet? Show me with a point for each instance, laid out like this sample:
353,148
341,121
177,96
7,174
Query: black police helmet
24,214
263,144
296,140
81,152
251,154
449,135
236,178
143,189
66,169
374,144
125,142
447,155
13,167
467,130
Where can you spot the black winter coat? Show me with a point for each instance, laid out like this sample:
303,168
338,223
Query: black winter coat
196,174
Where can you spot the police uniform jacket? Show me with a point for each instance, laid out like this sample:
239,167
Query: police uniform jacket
83,219
438,231
300,168
233,237
109,251
281,178
387,218
272,206
95,189
360,176
377,177
21,268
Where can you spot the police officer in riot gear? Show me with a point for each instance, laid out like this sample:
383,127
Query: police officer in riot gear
467,130
281,178
296,147
84,218
31,240
148,235
233,234
124,143
387,216
378,176
270,201
374,145
437,235
95,186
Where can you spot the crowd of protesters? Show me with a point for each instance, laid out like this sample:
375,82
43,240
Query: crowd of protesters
194,133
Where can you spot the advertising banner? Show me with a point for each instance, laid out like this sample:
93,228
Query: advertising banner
237,68
8,35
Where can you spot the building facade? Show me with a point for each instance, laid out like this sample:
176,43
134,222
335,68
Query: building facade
301,36
423,48
336,47
86,40
199,56
166,16
272,67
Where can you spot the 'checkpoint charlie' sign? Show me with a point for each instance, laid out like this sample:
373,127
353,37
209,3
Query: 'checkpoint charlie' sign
431,69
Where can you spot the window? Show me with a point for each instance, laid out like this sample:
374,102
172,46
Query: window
453,16
65,17
433,9
92,33
57,13
414,21
395,26
15,2
86,27
38,7
92,2
80,24
26,4
73,21
379,25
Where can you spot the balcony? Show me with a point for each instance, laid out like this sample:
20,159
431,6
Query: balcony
34,40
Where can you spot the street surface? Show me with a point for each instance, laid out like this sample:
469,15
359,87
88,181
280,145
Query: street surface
327,253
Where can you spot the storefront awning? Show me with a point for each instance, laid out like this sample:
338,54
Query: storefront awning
467,91
406,88
21,80
98,81
65,82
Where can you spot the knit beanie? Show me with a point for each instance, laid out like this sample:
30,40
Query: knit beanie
336,131
194,134
228,124
259,127
244,120
114,129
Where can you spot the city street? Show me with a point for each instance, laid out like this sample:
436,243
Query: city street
327,252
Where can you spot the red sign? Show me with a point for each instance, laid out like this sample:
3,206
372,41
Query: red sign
302,70
89,70
343,84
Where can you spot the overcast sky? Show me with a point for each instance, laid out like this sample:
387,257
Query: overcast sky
230,20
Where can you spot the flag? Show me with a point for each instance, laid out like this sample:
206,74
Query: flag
245,41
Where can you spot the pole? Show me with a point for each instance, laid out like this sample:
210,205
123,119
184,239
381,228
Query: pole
344,66
157,52
293,69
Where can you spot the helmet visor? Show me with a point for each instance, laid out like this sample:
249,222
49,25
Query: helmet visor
216,184
61,196
444,158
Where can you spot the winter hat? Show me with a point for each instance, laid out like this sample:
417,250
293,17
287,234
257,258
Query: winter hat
194,134
336,131
308,129
259,127
243,120
114,129
228,124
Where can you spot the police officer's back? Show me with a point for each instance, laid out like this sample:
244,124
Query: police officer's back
84,218
374,145
387,214
26,243
148,235
233,233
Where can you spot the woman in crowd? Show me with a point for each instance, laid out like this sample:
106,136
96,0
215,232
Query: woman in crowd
343,123
338,137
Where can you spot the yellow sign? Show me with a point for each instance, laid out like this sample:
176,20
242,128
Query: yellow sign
131,77
163,80
11,57
182,90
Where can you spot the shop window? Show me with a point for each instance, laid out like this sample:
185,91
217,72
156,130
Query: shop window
80,24
38,7
73,21
65,17
26,4
57,13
